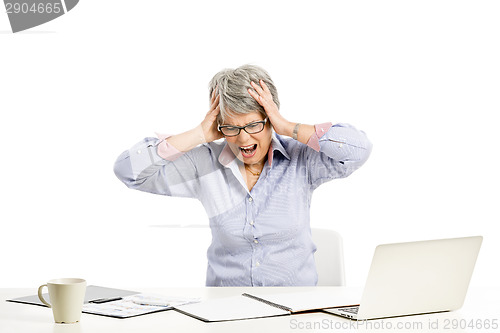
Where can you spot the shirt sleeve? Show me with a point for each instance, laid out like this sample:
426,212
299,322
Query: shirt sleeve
337,151
154,166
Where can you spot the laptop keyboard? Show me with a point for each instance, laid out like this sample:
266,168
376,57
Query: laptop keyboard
351,309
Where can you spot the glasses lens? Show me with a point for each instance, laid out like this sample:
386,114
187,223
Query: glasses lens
230,131
254,128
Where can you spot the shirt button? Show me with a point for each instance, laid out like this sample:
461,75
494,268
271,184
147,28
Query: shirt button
250,199
252,222
257,264
340,145
256,241
138,152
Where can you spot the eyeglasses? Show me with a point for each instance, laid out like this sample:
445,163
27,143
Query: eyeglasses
252,128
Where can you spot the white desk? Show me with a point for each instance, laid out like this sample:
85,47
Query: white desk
481,304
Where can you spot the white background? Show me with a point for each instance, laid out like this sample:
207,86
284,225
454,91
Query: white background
421,78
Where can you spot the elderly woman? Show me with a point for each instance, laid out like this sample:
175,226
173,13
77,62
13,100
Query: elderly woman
256,184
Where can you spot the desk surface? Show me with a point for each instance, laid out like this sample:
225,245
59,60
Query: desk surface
479,313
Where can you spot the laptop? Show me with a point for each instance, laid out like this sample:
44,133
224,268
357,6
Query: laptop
416,278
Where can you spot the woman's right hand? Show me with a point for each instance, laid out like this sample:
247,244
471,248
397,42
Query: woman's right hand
209,124
203,133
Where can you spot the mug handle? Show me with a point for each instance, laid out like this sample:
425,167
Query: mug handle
41,297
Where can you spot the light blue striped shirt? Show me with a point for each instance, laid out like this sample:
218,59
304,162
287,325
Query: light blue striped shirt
260,237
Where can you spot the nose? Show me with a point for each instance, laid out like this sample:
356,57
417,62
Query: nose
243,136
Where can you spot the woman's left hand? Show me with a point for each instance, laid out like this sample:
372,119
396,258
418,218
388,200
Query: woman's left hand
264,97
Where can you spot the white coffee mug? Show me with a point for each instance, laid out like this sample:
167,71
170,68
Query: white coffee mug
66,298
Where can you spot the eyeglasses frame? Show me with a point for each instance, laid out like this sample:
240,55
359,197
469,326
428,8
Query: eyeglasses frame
243,127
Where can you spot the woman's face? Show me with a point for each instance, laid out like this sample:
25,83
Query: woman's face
249,148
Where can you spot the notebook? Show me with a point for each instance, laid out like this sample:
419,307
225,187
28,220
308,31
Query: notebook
259,304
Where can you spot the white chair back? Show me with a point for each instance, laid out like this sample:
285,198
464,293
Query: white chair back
329,257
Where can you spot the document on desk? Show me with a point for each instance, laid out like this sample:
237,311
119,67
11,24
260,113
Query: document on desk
257,304
136,305
117,303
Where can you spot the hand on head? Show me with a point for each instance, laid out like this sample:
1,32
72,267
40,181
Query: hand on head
209,124
263,96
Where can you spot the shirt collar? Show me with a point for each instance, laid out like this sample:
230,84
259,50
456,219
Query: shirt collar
226,156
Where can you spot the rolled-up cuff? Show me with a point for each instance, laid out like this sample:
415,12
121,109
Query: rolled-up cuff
166,150
320,130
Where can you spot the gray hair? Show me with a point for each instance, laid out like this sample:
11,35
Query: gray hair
232,86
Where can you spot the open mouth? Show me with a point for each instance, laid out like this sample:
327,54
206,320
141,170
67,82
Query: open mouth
249,151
